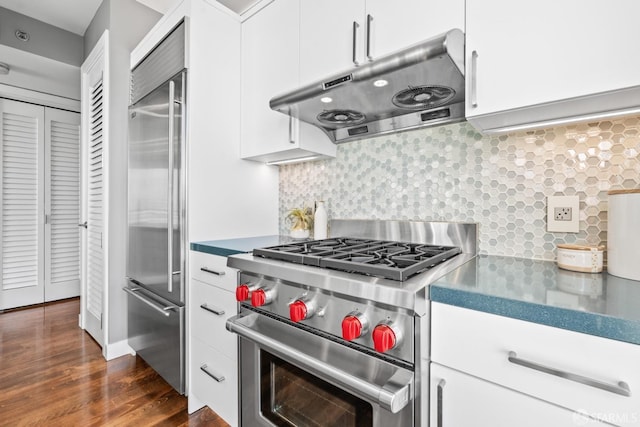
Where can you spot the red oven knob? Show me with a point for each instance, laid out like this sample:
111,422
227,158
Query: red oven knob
384,338
354,325
298,311
258,298
351,328
242,293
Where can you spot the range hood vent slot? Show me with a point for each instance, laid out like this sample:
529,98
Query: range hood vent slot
423,86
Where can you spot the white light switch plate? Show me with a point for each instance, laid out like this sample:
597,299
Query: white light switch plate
563,207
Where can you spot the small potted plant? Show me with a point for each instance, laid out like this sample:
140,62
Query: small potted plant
301,221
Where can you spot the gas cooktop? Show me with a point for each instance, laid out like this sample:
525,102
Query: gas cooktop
387,259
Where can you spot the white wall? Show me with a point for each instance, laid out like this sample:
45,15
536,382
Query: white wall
49,62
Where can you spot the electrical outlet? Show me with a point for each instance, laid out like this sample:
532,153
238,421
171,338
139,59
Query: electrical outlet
563,213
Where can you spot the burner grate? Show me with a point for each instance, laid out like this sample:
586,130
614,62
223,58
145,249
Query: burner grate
391,260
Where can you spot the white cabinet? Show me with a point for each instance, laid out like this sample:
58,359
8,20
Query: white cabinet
270,67
582,373
213,351
533,62
461,400
330,31
337,35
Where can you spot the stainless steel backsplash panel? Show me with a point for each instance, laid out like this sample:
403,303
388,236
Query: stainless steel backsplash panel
462,235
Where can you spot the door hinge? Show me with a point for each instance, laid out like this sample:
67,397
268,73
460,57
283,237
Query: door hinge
100,321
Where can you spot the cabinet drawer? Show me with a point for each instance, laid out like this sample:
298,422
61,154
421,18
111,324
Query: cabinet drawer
461,400
220,395
212,269
206,324
481,344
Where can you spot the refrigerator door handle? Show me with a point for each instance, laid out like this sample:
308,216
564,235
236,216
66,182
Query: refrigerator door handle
172,91
164,310
182,183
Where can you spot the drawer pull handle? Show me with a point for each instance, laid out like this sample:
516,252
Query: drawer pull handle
621,388
440,398
208,270
204,369
213,310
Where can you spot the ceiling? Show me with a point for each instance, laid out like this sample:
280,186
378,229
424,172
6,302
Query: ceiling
76,15
57,12
238,6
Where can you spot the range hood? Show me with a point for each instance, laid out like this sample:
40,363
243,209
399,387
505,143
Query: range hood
422,85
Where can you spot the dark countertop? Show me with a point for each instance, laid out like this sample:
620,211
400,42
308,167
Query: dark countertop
238,246
538,291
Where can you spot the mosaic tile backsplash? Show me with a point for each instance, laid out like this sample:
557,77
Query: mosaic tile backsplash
454,173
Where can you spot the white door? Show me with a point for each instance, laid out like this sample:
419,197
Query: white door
62,204
92,213
93,261
269,67
21,204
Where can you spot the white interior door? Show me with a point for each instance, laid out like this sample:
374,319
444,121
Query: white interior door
93,208
21,204
62,204
94,139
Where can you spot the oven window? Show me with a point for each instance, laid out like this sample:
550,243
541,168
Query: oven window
293,397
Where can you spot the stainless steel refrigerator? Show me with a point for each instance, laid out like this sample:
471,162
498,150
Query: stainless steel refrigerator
156,210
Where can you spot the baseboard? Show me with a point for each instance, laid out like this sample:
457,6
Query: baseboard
194,404
117,349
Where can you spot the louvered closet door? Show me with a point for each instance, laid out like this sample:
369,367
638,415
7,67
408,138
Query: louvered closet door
21,204
94,212
62,264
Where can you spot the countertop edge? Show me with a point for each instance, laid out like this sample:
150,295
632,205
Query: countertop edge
214,250
563,318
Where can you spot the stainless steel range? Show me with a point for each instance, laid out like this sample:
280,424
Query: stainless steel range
336,331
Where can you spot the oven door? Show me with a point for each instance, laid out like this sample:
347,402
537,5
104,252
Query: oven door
292,377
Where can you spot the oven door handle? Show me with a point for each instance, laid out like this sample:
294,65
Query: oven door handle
394,395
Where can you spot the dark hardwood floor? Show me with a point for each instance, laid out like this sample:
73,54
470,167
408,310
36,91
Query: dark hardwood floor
52,373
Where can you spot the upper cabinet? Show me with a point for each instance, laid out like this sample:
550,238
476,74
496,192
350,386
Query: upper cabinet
271,66
538,63
337,35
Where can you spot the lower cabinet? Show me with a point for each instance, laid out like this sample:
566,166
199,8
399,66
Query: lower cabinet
503,372
461,400
212,350
214,380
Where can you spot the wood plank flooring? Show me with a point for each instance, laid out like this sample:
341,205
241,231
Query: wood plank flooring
52,373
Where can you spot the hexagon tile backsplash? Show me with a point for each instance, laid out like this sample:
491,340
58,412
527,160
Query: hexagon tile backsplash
453,173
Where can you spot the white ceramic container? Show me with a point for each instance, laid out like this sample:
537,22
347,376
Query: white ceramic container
586,259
